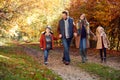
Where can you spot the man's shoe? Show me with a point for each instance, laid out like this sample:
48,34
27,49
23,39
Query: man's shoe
67,63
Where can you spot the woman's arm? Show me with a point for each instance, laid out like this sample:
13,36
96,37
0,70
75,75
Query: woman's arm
92,33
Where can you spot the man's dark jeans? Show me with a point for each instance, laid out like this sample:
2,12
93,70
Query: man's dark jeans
66,45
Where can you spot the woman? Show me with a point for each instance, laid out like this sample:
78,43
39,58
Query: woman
84,35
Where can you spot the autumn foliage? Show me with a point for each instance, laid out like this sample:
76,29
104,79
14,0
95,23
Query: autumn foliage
23,20
100,12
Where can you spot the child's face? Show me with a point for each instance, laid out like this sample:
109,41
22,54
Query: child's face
100,31
47,30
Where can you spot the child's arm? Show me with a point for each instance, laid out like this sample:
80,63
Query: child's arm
96,36
54,37
108,42
41,42
93,35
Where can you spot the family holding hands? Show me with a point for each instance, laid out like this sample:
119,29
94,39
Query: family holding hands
66,31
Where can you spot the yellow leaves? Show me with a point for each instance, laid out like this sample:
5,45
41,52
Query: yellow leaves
31,16
2,3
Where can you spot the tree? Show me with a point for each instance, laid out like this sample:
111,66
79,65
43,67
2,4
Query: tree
28,17
104,12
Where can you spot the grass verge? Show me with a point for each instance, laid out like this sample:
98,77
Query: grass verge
16,65
104,72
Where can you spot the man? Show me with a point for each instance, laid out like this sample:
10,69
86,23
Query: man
66,30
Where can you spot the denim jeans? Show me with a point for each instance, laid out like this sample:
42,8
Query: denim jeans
83,49
66,45
46,52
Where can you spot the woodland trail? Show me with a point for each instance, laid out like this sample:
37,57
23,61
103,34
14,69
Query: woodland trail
72,71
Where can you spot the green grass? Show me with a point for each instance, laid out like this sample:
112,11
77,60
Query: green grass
16,65
104,72
34,46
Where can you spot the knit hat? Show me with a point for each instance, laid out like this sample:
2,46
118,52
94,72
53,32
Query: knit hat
49,27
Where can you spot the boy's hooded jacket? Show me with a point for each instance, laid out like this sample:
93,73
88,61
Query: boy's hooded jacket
43,40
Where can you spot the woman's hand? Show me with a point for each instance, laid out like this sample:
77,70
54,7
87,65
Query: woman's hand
60,35
75,34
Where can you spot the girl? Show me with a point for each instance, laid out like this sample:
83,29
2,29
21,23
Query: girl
46,43
102,42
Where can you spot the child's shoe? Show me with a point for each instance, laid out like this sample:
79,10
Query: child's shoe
45,63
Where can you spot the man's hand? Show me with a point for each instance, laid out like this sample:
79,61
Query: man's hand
60,35
75,34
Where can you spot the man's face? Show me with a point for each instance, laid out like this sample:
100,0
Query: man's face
64,16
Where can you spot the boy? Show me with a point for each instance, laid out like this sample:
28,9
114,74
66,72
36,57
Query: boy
46,43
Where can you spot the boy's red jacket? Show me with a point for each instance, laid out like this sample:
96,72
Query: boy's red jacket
43,41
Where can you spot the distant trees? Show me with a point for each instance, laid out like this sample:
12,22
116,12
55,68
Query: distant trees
27,18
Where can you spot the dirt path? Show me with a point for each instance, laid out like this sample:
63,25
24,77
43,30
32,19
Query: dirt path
67,72
70,72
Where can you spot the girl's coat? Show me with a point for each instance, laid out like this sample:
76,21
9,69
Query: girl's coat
100,32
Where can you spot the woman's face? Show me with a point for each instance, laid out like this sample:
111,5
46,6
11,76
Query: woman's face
82,16
47,30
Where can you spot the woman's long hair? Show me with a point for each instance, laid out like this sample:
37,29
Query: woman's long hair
83,21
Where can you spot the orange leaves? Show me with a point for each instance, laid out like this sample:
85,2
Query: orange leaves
101,11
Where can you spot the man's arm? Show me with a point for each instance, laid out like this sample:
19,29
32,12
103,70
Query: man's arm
58,30
74,30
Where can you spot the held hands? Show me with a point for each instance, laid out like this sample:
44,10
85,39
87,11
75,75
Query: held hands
41,48
60,35
75,34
